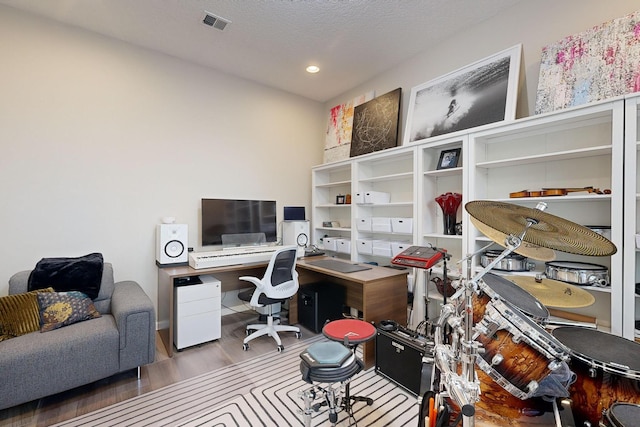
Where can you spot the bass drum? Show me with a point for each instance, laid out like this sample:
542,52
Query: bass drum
499,408
518,352
607,369
622,415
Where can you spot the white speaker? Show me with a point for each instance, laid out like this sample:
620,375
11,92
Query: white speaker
171,244
296,233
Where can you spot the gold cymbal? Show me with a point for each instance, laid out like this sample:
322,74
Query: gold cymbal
547,231
553,293
525,249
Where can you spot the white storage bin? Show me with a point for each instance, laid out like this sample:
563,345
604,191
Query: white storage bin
365,246
381,248
329,243
363,224
397,247
381,224
359,198
343,246
402,225
376,197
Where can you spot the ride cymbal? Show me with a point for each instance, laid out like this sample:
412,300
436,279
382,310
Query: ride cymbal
525,249
547,231
553,293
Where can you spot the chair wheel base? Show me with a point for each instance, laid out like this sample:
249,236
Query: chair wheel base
298,335
245,347
280,348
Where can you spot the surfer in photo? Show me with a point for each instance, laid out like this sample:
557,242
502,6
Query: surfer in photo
452,107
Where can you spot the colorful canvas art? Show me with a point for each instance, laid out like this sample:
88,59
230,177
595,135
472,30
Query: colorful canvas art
339,128
597,64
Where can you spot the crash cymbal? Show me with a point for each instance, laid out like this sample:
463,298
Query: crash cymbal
525,249
553,293
548,231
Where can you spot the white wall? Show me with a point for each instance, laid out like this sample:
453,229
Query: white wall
99,140
535,24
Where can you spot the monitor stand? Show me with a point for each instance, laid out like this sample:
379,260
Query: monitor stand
232,241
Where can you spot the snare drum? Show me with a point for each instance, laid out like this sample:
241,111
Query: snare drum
511,262
578,273
607,369
622,415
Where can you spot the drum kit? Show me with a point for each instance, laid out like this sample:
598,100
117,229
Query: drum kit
528,374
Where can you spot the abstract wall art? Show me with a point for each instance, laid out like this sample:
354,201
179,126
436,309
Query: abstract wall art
597,64
375,124
339,129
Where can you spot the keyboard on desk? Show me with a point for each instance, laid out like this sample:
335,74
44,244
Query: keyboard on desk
199,260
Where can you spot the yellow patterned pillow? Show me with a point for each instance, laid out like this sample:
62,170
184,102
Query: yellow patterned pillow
58,309
19,314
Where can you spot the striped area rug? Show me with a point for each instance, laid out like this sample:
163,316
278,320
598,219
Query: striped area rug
264,391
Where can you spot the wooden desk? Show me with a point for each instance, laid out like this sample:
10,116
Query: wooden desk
379,293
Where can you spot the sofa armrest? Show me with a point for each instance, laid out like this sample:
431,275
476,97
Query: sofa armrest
134,315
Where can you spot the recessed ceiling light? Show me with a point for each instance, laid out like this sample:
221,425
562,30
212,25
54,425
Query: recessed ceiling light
313,69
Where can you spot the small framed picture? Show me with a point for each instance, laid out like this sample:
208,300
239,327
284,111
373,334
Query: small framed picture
449,159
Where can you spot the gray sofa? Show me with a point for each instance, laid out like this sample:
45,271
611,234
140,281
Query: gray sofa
38,364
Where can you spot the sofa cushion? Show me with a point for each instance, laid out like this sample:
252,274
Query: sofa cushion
58,309
82,274
36,365
19,314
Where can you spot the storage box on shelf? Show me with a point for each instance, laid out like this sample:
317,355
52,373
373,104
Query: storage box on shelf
376,197
343,246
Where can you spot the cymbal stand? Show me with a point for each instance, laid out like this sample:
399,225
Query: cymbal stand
465,388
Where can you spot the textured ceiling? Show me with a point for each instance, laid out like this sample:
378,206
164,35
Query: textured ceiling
272,41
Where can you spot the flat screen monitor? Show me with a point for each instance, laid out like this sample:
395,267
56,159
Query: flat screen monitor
232,222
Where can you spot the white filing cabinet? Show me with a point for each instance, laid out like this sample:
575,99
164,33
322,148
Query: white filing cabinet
197,309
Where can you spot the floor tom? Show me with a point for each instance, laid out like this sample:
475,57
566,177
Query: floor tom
607,369
622,415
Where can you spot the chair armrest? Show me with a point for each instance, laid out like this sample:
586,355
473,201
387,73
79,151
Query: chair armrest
134,315
256,294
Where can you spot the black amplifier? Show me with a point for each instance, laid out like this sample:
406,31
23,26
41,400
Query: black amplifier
399,357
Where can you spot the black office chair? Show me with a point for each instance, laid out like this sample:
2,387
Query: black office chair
280,282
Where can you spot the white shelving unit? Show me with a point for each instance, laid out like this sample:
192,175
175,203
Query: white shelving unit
328,183
576,148
597,145
631,302
384,227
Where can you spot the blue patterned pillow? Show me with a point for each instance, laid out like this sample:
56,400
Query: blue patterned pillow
58,309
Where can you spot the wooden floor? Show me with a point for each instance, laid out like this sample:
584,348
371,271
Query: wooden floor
164,371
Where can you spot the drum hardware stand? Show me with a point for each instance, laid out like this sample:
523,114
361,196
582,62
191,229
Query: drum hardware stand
465,388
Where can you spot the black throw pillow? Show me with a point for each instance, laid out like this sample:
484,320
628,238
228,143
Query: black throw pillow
82,274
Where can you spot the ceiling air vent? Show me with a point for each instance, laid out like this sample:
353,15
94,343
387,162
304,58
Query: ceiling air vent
214,21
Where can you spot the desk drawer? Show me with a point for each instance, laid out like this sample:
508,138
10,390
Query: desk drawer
191,308
197,292
197,329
